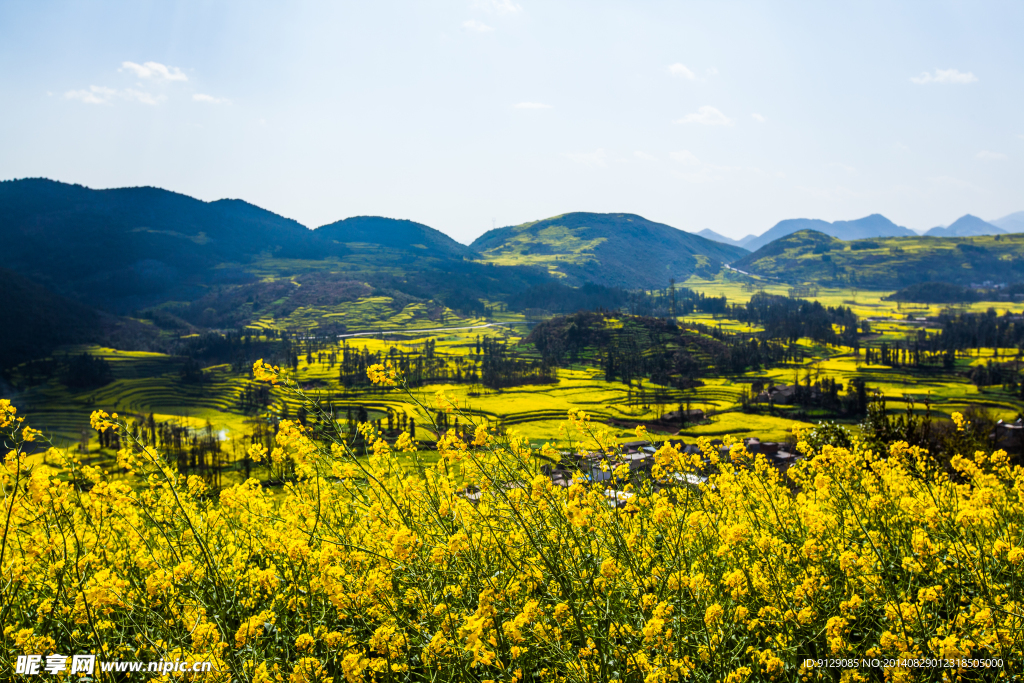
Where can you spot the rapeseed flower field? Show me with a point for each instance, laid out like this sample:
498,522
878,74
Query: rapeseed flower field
474,566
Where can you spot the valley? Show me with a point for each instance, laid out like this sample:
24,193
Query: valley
494,324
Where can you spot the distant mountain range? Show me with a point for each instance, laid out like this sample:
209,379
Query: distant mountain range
967,226
128,249
618,249
875,225
811,257
1012,223
714,236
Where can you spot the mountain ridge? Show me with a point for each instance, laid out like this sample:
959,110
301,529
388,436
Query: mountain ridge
873,225
396,233
1013,222
966,226
619,249
125,249
716,237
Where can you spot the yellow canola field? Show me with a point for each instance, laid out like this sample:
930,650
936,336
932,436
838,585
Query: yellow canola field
366,570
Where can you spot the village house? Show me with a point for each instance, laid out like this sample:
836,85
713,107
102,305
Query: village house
778,394
1009,436
684,416
639,456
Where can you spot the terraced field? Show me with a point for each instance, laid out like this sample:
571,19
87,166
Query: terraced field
147,383
866,303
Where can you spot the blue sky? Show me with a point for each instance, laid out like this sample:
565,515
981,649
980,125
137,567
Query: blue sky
722,115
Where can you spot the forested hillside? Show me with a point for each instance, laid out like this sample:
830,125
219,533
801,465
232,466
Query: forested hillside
130,247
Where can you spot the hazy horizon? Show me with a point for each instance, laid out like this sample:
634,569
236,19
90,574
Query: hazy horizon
464,115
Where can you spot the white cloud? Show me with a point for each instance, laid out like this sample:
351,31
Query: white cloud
499,6
1021,136
595,159
944,76
685,157
478,26
94,95
712,71
532,105
210,99
155,71
682,71
100,95
645,156
707,116
758,118
989,156
142,97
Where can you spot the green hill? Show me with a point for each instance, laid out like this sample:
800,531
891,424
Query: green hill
888,263
404,235
126,248
129,249
617,249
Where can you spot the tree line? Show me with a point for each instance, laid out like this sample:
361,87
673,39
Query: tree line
789,319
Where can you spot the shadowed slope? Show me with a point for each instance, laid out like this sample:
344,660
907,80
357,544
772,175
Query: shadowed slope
124,248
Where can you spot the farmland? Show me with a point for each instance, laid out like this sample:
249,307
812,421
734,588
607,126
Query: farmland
152,383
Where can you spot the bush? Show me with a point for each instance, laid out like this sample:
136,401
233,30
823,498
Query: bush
828,434
477,567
